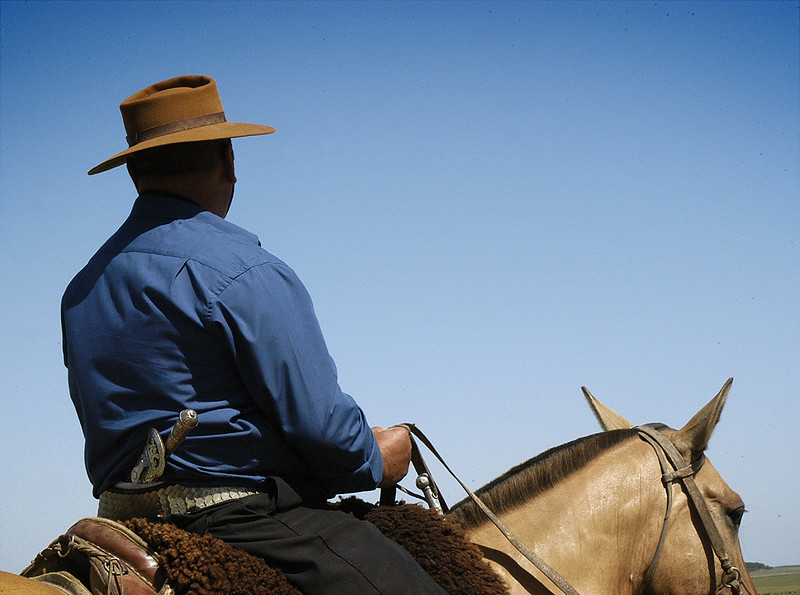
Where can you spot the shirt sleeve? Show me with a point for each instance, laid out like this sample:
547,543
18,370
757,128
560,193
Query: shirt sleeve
270,324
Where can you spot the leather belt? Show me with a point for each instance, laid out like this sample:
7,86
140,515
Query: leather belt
160,501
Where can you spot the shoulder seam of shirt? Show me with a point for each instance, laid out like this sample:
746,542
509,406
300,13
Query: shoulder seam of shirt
276,263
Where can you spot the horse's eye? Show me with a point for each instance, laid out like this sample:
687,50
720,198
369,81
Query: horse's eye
736,516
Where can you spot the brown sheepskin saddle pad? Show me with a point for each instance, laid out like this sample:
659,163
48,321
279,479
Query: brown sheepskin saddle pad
145,557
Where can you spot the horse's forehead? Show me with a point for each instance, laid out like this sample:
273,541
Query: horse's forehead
714,488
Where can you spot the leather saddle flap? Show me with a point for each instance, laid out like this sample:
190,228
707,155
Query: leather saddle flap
123,543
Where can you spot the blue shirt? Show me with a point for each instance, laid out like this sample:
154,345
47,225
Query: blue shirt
181,308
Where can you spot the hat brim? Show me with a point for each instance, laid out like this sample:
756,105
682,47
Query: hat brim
202,133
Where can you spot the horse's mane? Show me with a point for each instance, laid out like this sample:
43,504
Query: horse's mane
521,483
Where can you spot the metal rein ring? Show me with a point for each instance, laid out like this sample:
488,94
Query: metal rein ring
732,583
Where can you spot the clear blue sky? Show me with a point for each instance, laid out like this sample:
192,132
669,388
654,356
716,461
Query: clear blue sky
491,204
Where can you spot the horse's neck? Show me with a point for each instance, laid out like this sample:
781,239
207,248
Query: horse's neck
598,528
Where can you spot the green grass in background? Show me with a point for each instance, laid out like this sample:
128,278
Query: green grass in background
783,580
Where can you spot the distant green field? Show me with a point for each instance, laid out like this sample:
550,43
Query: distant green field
784,580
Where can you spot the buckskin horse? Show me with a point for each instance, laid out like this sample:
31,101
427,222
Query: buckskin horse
628,510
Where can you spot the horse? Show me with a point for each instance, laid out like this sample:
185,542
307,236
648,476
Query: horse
609,516
618,512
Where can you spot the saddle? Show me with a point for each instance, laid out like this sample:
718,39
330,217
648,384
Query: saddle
99,556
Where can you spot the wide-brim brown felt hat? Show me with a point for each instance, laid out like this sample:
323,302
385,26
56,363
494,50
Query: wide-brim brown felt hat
184,109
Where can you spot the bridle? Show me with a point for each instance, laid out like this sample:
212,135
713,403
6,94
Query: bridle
673,468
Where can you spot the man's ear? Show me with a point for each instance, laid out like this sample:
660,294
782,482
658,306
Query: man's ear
227,162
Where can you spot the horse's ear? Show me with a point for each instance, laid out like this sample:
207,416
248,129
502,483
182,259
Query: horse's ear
692,439
608,418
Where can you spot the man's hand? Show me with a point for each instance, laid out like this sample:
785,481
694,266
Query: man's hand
395,445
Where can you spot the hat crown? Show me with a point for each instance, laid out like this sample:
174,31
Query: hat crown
175,100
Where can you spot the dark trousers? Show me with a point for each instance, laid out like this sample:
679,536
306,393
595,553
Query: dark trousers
319,548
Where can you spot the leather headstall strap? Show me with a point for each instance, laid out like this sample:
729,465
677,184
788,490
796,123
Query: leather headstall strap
677,470
526,551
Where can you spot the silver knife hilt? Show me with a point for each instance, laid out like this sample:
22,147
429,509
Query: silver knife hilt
187,421
153,459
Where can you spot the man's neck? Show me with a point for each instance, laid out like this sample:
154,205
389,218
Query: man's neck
171,195
206,192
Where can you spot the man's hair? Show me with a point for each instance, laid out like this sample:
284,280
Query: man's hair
180,158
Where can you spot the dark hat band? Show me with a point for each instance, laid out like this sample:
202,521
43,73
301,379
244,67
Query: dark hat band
177,126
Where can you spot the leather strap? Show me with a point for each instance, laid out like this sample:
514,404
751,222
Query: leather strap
685,475
651,568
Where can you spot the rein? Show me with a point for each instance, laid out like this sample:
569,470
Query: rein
668,456
526,551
